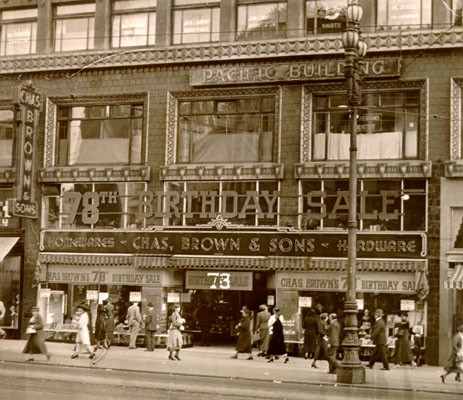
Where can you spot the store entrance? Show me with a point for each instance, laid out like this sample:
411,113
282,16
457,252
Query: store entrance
219,311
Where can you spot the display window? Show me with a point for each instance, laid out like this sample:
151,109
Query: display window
10,272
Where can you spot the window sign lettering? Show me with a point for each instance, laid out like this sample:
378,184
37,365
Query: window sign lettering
218,280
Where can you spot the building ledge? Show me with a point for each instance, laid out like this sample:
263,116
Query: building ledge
365,169
133,173
454,169
7,175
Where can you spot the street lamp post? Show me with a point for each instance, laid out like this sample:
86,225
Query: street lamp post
351,369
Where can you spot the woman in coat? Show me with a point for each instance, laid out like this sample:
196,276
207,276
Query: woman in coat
100,332
244,343
455,362
83,335
311,326
277,345
36,337
403,353
175,339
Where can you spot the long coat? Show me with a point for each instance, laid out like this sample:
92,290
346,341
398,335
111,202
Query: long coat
378,334
244,343
455,362
403,352
334,333
311,327
36,341
277,345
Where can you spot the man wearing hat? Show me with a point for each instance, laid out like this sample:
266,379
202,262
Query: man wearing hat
134,320
378,337
150,319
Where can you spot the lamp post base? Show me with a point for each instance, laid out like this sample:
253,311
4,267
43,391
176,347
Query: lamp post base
350,374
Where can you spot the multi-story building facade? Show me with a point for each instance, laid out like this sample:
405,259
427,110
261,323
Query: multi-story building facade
189,151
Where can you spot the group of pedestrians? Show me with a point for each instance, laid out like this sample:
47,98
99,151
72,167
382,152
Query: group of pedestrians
268,331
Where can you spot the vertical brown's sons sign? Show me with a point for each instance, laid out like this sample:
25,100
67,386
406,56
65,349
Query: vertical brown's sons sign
30,104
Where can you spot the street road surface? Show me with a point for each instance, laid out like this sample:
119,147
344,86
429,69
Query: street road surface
25,381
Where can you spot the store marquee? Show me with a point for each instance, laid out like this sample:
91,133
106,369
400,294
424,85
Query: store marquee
102,275
375,282
218,280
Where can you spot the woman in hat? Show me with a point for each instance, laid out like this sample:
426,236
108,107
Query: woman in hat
277,345
36,337
403,353
83,336
244,343
175,339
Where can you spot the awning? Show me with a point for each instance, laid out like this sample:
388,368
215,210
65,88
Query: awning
85,259
456,280
243,263
150,261
6,244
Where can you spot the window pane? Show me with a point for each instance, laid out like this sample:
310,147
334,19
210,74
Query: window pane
133,4
20,14
75,9
196,25
6,138
233,205
133,29
73,34
262,21
326,16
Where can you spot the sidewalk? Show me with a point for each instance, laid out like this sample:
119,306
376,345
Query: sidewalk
216,362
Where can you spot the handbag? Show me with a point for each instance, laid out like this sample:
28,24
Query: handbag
30,330
255,337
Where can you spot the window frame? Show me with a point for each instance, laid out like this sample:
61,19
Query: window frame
59,42
316,19
29,20
15,133
384,4
148,12
214,18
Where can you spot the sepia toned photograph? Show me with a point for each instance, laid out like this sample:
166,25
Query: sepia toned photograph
231,199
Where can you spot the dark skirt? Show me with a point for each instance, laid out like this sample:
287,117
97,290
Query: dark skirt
277,345
36,343
244,343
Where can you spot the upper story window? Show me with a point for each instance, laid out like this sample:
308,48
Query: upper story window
75,27
19,32
7,136
261,20
93,205
100,134
382,205
134,23
226,130
403,14
325,16
387,126
195,22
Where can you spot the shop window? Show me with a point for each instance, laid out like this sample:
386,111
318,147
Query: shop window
75,27
134,23
19,32
201,202
404,14
325,16
226,130
7,138
382,205
98,205
100,134
261,21
7,220
10,273
195,22
387,126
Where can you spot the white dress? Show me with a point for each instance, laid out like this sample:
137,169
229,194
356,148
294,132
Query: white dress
83,335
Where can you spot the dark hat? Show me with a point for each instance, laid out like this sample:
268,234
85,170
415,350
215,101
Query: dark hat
35,308
83,306
150,304
176,305
276,309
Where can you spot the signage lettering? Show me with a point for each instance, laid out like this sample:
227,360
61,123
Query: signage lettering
290,72
218,280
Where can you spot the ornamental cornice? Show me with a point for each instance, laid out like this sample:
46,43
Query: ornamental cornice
365,169
218,172
230,51
131,173
454,169
7,175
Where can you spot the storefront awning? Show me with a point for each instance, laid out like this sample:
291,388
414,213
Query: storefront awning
243,263
150,262
6,244
456,280
85,259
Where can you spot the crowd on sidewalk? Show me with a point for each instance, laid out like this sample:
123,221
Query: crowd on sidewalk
323,336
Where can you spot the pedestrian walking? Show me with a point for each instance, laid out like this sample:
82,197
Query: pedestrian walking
403,353
83,334
276,345
175,339
321,348
100,332
150,319
35,336
334,334
109,322
378,337
134,321
455,362
262,329
244,343
311,331
2,317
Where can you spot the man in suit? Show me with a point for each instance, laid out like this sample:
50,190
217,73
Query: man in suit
150,320
262,327
134,320
378,337
334,333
